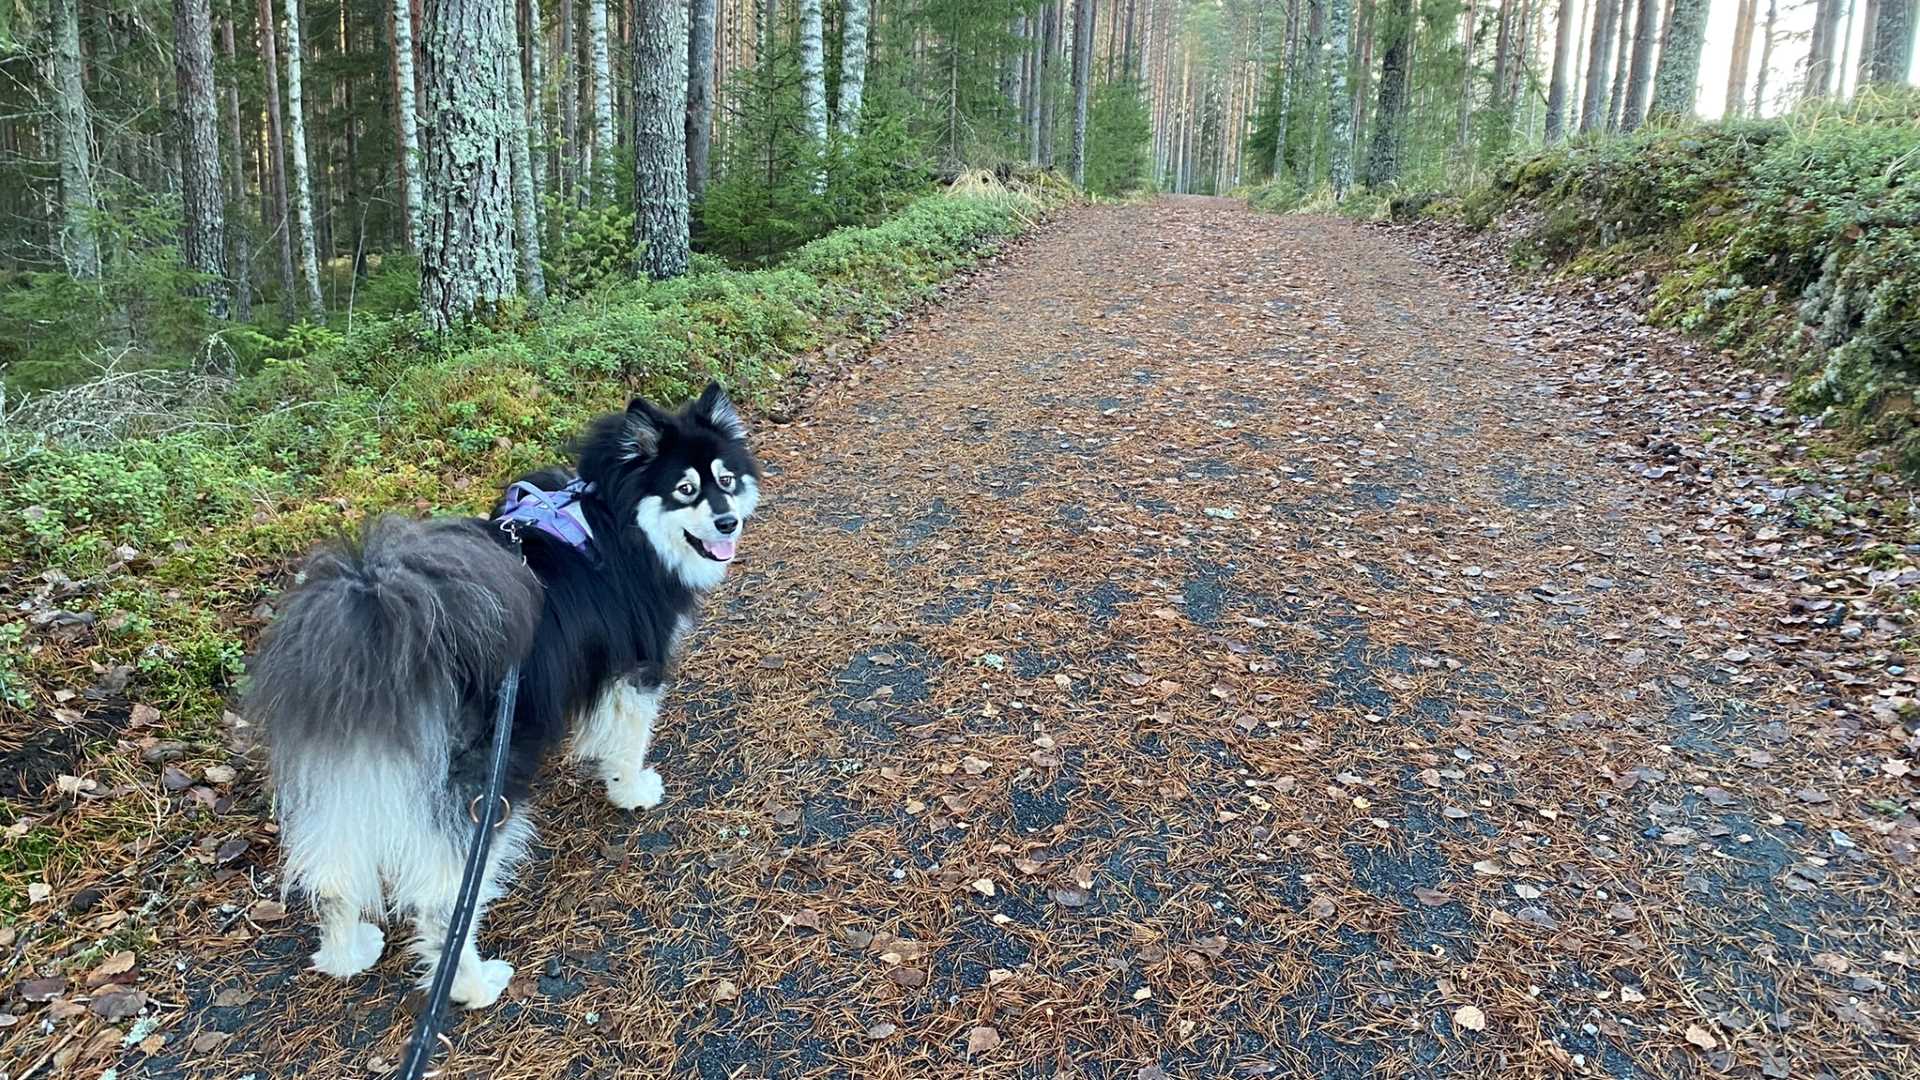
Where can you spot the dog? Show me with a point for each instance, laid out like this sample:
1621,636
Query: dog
377,684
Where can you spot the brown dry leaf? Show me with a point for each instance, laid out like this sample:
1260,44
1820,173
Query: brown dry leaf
143,715
1701,1037
117,1005
1470,1017
805,919
974,766
208,1041
233,997
881,1030
725,990
37,991
985,887
1321,907
1028,866
910,978
982,1039
1070,897
1431,897
267,911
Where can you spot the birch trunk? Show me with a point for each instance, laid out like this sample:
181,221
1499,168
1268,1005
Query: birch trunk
281,221
302,184
1340,118
700,45
1593,110
79,246
1464,141
660,138
466,246
813,71
1622,59
853,65
537,113
599,155
203,233
572,149
407,105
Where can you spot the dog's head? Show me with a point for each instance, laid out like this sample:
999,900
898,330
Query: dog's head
684,479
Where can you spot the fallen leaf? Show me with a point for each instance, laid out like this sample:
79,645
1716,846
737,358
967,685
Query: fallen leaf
1073,898
234,997
1431,897
1321,907
985,887
118,1005
1470,1017
881,1030
982,1039
37,991
727,990
1701,1037
911,978
220,774
267,911
974,766
118,964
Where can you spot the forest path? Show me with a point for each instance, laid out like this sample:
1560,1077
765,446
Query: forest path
1207,645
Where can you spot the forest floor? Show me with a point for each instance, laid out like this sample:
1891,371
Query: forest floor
1208,644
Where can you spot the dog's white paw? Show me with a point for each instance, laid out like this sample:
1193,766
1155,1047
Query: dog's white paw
640,790
346,955
477,986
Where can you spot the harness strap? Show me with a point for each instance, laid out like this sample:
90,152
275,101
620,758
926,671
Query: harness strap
556,513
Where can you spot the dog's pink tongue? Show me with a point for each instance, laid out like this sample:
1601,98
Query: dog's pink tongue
721,549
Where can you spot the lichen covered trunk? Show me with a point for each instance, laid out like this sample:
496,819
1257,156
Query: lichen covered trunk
203,231
1677,81
466,246
1892,56
1339,118
1383,157
407,105
79,247
599,156
660,138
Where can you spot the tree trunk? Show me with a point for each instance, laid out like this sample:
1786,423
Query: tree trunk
203,233
1126,46
537,114
1737,61
1309,86
660,138
813,71
1289,53
598,156
407,105
1593,111
1339,117
1846,43
572,149
466,245
1622,58
1677,81
281,220
526,205
302,185
239,266
853,65
79,246
1892,57
1766,57
700,44
1563,44
1464,141
1082,82
1826,29
1050,44
1383,158
1869,25
1640,77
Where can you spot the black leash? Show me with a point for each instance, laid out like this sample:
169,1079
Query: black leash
486,812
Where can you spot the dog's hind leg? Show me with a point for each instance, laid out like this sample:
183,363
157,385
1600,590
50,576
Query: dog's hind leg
349,944
334,861
430,892
616,736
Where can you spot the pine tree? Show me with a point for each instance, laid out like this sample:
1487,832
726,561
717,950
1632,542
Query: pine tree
302,184
1892,57
73,130
853,64
700,47
1646,34
1766,56
1383,158
1340,118
203,234
1082,80
1593,110
466,247
1563,45
1677,81
660,138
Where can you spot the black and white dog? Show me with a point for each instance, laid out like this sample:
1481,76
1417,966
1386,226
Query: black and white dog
377,684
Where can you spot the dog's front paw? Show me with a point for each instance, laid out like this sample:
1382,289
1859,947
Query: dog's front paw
345,955
477,986
638,790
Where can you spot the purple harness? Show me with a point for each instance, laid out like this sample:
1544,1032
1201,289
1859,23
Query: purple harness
556,513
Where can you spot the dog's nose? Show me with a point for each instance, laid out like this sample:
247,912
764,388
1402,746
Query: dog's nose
726,523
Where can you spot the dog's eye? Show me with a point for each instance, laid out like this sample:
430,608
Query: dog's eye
726,483
685,490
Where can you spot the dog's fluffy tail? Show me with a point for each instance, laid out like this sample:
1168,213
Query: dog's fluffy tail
378,675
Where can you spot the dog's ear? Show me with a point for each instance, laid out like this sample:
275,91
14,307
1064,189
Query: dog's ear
715,409
639,430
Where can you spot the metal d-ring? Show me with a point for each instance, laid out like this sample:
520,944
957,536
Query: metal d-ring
473,815
446,1042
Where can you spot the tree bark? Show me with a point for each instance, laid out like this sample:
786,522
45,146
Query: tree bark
282,220
1820,51
572,149
1563,44
1049,45
1640,76
239,265
1082,82
1126,46
1383,158
700,46
1593,111
813,71
1737,61
1869,26
537,114
1892,58
1676,83
599,155
203,233
1766,57
407,105
1339,118
466,246
302,184
853,65
1622,58
660,139
1464,141
526,210
79,245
